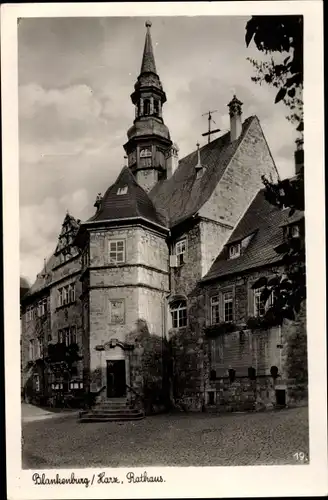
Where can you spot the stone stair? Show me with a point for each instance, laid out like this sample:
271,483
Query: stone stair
111,410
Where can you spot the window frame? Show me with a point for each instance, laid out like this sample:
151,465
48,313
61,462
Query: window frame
215,302
176,310
31,350
228,301
292,228
29,313
269,302
116,251
122,190
181,255
234,255
37,384
111,322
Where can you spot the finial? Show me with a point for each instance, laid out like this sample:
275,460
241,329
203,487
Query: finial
148,24
98,201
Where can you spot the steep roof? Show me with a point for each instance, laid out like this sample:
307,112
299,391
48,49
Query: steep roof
133,203
148,60
182,195
263,221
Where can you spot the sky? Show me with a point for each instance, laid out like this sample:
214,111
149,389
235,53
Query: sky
75,79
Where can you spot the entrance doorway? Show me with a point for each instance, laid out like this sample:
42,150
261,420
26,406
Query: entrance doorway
116,381
281,397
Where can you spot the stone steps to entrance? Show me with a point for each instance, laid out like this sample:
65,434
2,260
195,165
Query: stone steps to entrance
111,411
100,418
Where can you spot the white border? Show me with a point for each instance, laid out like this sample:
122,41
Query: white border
180,482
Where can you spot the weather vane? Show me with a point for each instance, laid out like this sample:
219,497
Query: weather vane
210,120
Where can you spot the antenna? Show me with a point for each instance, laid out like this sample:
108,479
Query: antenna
210,120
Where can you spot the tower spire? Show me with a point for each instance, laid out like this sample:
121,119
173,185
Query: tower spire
148,59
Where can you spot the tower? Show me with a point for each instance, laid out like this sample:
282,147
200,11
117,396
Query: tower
148,138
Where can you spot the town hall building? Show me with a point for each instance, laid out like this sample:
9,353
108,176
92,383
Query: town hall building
171,250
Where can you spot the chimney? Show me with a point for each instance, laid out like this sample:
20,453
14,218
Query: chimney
172,160
235,118
299,156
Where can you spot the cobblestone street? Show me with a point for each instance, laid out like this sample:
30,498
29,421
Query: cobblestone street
270,438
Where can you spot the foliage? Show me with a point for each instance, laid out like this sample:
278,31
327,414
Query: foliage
297,356
268,320
288,289
220,329
61,358
283,37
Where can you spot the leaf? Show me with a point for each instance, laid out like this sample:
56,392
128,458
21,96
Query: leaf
281,94
291,92
265,295
260,283
287,59
300,128
250,31
274,281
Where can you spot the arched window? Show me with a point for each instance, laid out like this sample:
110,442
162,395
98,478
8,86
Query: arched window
146,107
178,310
156,107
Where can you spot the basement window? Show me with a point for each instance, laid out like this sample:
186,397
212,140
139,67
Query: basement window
122,190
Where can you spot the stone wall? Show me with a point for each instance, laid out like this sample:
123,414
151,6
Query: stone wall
213,237
185,277
244,394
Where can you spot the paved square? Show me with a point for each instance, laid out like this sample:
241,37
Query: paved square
270,438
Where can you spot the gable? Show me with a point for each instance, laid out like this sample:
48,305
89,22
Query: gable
242,178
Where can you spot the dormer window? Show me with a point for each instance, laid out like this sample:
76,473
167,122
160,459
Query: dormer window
122,190
234,251
294,231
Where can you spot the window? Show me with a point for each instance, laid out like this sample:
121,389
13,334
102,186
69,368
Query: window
29,313
66,294
116,312
67,335
180,251
228,306
117,251
179,313
60,297
146,107
37,382
234,251
215,310
31,350
261,306
42,308
122,190
39,348
295,231
156,107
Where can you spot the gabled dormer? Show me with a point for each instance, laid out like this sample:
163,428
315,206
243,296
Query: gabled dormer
293,227
236,248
